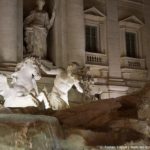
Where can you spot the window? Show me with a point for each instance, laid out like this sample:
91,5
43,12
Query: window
91,38
95,31
130,37
130,44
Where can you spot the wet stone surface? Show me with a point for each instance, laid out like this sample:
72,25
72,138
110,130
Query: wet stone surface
25,132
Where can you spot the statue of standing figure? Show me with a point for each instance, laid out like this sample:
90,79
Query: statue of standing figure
36,26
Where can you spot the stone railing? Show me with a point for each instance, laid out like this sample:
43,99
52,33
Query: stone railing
133,63
96,59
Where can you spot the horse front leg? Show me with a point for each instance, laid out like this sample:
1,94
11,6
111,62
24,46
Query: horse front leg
42,98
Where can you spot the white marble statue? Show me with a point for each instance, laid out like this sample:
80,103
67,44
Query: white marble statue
64,81
23,91
36,26
26,74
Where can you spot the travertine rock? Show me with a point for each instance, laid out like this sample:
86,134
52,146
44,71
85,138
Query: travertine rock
29,132
101,123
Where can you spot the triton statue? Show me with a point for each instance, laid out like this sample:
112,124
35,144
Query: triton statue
64,81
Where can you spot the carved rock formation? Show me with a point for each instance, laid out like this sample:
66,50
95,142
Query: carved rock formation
120,121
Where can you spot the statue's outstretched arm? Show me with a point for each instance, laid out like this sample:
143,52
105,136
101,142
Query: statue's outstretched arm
79,88
51,22
51,71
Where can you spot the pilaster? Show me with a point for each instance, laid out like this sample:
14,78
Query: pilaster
9,31
113,38
75,31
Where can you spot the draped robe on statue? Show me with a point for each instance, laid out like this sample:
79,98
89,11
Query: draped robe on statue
37,25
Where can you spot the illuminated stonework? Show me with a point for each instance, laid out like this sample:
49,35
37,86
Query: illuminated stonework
114,29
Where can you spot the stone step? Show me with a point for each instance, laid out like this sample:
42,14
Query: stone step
7,66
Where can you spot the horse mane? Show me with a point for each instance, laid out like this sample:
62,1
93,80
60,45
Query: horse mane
21,64
32,61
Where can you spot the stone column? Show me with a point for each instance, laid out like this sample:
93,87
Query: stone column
113,38
59,43
75,31
146,35
20,30
8,30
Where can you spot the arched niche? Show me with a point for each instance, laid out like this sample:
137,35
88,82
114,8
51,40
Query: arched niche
28,6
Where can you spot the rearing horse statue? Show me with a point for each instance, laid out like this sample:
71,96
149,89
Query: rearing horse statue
23,91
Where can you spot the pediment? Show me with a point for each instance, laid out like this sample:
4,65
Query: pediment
94,11
131,20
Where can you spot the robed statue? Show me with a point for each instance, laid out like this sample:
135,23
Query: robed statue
36,27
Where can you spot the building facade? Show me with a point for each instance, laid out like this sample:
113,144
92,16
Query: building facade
111,37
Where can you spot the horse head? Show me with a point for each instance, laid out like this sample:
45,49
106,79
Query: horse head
30,66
